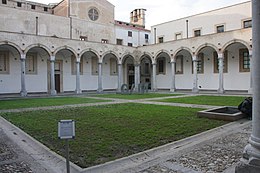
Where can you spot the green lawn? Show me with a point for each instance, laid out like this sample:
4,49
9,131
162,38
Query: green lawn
41,102
105,133
208,100
135,96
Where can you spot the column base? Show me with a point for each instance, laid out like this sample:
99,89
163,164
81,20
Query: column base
172,90
221,91
100,91
250,163
53,93
195,90
23,93
250,91
78,92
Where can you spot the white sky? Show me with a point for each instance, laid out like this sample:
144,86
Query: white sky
159,11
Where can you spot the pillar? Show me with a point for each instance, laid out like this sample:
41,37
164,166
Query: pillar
52,63
23,91
250,90
120,74
154,86
251,156
195,75
221,73
100,89
137,76
78,90
173,87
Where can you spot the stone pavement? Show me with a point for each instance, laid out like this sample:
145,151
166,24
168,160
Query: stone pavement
217,150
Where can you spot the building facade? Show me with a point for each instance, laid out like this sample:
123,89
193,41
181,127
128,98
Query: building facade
75,47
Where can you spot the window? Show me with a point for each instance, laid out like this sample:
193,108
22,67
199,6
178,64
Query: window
130,44
160,40
197,33
83,38
104,41
31,63
4,2
33,7
179,64
178,36
146,68
119,41
130,34
19,4
93,14
200,64
4,63
220,28
244,60
74,66
247,24
94,65
113,66
45,9
146,36
161,65
216,62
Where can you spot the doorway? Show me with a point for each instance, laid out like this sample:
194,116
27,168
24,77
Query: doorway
130,75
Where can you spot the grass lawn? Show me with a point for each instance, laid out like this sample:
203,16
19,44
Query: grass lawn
41,102
105,133
208,100
135,96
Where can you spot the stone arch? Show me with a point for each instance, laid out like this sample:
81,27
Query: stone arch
40,46
181,49
65,48
125,56
88,50
109,52
206,45
236,41
148,55
160,52
15,46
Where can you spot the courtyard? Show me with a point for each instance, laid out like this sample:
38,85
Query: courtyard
114,126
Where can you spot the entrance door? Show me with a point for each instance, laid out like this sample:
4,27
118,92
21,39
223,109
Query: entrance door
130,75
57,83
58,76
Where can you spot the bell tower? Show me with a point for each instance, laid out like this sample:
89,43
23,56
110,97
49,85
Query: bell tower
137,17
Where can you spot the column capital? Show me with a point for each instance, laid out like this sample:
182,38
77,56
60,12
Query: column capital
23,56
154,63
52,58
220,55
173,61
194,57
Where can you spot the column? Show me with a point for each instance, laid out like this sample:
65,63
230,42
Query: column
195,75
137,76
221,73
250,90
23,91
173,87
120,70
52,63
100,89
154,86
78,90
251,156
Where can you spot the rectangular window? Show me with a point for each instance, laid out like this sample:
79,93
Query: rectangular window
113,66
4,2
197,33
45,9
146,36
4,63
179,65
160,40
244,60
104,41
161,65
94,65
74,66
247,24
178,36
130,44
83,38
31,63
216,62
220,28
19,4
130,34
119,41
33,7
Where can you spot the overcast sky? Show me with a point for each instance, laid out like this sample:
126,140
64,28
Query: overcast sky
159,11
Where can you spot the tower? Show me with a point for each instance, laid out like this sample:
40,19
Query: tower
137,17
